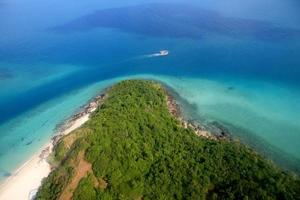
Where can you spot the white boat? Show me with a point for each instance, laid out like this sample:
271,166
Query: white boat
163,52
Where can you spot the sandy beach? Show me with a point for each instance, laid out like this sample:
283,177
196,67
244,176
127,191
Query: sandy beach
24,182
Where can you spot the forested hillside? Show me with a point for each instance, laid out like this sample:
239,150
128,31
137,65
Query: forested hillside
133,148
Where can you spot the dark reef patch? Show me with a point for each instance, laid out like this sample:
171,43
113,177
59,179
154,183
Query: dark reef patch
178,21
230,88
5,173
29,143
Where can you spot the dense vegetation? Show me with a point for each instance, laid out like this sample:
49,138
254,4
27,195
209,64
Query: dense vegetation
133,148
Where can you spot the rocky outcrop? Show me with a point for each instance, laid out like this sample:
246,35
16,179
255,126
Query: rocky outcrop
90,107
216,131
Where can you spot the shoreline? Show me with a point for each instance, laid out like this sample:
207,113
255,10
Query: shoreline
25,181
217,132
28,177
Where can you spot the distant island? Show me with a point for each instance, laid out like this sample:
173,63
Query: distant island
135,145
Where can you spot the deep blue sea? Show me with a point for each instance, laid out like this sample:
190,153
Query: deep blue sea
233,62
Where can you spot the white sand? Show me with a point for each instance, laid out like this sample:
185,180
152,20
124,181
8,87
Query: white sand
23,184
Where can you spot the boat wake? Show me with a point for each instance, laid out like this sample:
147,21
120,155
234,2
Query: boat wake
152,55
159,54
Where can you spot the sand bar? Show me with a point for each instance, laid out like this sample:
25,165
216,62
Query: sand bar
24,182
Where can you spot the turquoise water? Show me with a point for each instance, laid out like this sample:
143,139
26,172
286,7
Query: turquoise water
259,113
236,63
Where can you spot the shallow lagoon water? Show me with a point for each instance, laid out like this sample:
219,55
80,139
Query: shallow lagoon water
237,64
260,114
29,132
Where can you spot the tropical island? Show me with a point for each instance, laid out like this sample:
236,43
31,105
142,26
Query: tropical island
135,146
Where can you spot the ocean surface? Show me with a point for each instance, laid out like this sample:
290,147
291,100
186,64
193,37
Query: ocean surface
236,63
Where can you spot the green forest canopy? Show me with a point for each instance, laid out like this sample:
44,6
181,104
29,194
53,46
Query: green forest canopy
133,148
